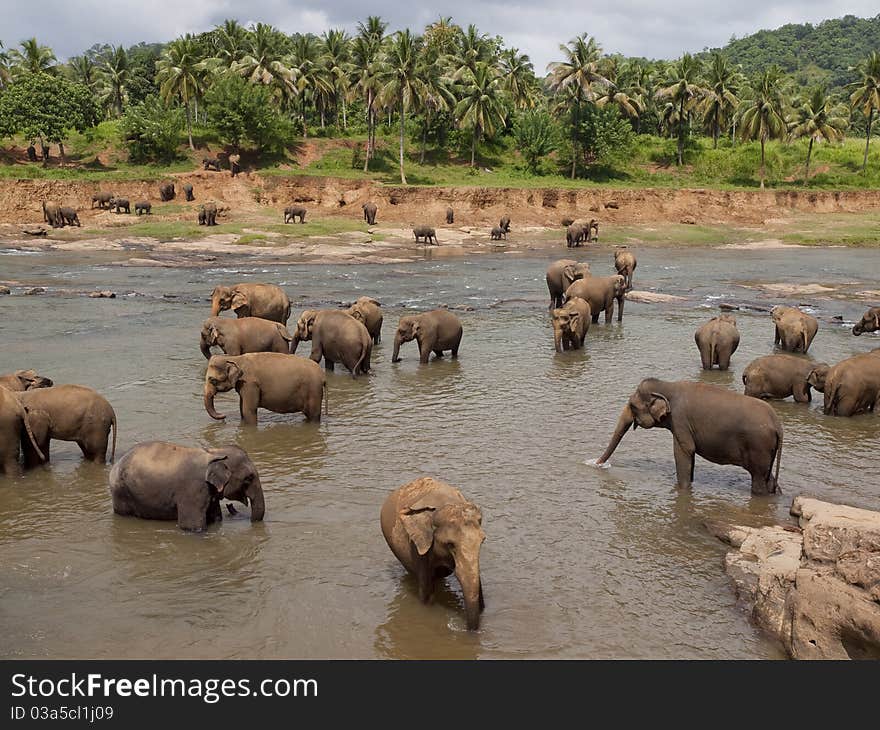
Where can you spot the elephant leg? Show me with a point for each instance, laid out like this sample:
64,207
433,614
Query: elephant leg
684,464
724,360
329,364
317,352
426,584
192,515
424,352
620,310
248,402
214,513
595,317
705,357
454,348
94,448
801,393
609,312
482,600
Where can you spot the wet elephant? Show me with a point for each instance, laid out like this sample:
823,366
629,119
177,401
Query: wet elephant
369,312
22,380
600,292
14,423
870,322
562,274
570,324
240,336
252,300
625,264
336,336
795,329
434,331
717,340
779,376
850,387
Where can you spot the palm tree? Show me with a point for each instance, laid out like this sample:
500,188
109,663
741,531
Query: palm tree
400,81
230,43
481,104
473,48
113,71
434,96
179,75
866,94
336,57
578,74
816,119
682,88
764,115
518,78
720,100
32,58
309,78
263,61
5,75
614,94
365,51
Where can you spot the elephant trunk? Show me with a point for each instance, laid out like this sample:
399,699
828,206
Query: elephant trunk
294,343
557,338
210,392
258,504
215,307
620,300
857,330
623,424
205,348
397,341
469,579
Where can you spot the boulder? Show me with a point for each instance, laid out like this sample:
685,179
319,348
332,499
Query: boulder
106,294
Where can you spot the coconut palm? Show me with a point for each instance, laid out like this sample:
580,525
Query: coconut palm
264,63
32,58
518,78
434,96
866,95
365,52
764,114
720,100
179,73
576,79
614,94
336,63
83,70
113,72
230,43
481,106
473,48
682,88
310,81
817,119
442,38
5,73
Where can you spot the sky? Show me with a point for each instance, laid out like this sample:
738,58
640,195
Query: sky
631,27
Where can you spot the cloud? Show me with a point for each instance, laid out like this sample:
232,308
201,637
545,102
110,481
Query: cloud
632,27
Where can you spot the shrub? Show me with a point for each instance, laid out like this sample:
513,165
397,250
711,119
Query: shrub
151,131
242,112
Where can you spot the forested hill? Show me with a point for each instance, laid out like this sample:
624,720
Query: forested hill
812,54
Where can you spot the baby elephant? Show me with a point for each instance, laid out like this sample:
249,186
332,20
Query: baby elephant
188,192
143,207
435,332
498,233
426,232
162,481
208,214
277,382
120,205
450,216
70,216
717,341
625,263
434,530
240,336
779,376
370,210
167,192
68,413
292,212
570,324
22,380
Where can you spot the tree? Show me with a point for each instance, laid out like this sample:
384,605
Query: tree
606,135
5,73
683,90
264,62
336,56
309,78
817,120
366,50
230,43
113,71
180,76
244,112
481,107
434,96
866,95
152,130
764,115
577,75
536,136
84,71
615,95
32,58
518,78
720,100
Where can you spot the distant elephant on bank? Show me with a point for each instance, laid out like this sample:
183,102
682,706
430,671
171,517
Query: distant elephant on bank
167,192
208,214
292,212
14,423
779,376
120,205
244,335
252,300
274,381
163,481
188,192
870,322
336,336
434,331
52,214
497,233
426,232
102,200
795,329
450,216
370,210
625,263
504,223
234,164
852,386
211,163
369,312
574,235
562,274
434,530
143,207
570,324
68,413
721,426
600,292
22,380
717,340
70,216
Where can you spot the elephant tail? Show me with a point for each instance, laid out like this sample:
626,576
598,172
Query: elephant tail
113,449
711,353
325,399
30,433
778,460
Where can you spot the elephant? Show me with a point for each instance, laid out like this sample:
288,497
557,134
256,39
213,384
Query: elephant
292,212
336,337
504,223
435,331
567,221
574,235
31,153
240,336
562,274
721,426
70,216
600,292
68,413
118,205
717,340
369,312
102,199
593,231
434,530
370,210
497,233
52,214
277,382
870,322
158,480
211,163
167,192
202,217
22,380
188,192
426,232
14,423
570,324
234,164
852,386
143,207
795,329
252,300
450,216
779,376
625,263
208,214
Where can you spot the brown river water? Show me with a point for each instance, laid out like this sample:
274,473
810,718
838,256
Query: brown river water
579,561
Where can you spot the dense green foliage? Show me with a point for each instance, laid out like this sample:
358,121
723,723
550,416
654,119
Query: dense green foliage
152,131
243,113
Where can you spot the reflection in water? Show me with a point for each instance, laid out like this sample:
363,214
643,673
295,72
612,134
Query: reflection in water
578,561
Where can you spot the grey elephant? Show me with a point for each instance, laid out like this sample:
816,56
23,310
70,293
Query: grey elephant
292,212
850,387
167,192
70,216
426,232
102,200
22,380
504,223
211,163
208,214
497,233
434,331
143,207
370,209
188,192
562,274
779,376
252,300
277,382
336,336
717,340
870,322
244,335
625,264
368,311
450,216
14,423
706,420
434,531
795,330
52,214
574,235
120,205
570,324
163,481
600,292
68,413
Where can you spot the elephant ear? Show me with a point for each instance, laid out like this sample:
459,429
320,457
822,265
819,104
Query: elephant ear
574,319
218,474
659,407
419,525
239,300
285,335
233,371
214,336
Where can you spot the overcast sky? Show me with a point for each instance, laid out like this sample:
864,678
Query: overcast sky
632,27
